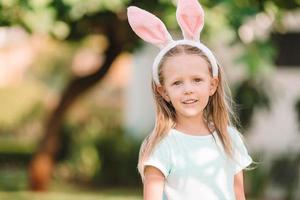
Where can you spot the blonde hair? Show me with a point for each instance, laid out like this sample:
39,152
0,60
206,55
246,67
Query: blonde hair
218,113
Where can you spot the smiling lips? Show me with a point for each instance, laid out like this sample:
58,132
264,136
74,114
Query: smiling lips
190,101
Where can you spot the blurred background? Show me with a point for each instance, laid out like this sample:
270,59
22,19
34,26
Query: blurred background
75,98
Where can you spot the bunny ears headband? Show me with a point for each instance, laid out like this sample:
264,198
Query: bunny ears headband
190,17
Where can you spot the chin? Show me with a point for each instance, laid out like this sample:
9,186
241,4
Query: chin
191,114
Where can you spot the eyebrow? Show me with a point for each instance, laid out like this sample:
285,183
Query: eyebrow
194,76
198,75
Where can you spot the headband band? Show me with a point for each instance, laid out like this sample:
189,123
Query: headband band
171,45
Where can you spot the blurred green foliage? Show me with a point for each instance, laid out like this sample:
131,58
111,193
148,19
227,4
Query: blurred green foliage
297,107
12,178
250,98
99,150
285,174
55,17
119,156
19,105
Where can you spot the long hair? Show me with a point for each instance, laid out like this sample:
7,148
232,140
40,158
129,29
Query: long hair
218,113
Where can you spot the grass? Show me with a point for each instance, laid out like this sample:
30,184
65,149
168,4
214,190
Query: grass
24,195
14,181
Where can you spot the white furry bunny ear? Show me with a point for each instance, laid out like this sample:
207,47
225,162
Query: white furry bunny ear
148,27
190,17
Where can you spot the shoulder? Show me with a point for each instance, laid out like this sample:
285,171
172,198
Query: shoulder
160,157
165,143
233,132
241,156
238,139
236,136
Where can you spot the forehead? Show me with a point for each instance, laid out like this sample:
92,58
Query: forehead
183,64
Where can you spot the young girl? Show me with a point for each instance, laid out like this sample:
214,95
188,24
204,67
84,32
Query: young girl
194,151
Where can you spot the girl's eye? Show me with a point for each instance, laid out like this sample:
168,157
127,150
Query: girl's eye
197,80
176,83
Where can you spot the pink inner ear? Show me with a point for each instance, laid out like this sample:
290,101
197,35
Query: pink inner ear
150,35
148,27
190,17
192,23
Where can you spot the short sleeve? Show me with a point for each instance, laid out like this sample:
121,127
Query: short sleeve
242,158
160,158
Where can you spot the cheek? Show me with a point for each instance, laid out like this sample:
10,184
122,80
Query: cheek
204,91
174,93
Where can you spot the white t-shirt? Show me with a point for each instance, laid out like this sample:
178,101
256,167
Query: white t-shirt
196,167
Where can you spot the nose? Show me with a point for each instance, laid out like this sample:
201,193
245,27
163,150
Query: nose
188,89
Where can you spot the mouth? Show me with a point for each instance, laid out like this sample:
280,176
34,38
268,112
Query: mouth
189,101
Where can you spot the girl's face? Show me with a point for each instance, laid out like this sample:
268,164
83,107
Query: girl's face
187,84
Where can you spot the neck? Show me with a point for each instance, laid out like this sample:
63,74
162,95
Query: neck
192,125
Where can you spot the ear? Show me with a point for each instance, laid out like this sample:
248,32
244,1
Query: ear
162,91
214,82
148,27
190,17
